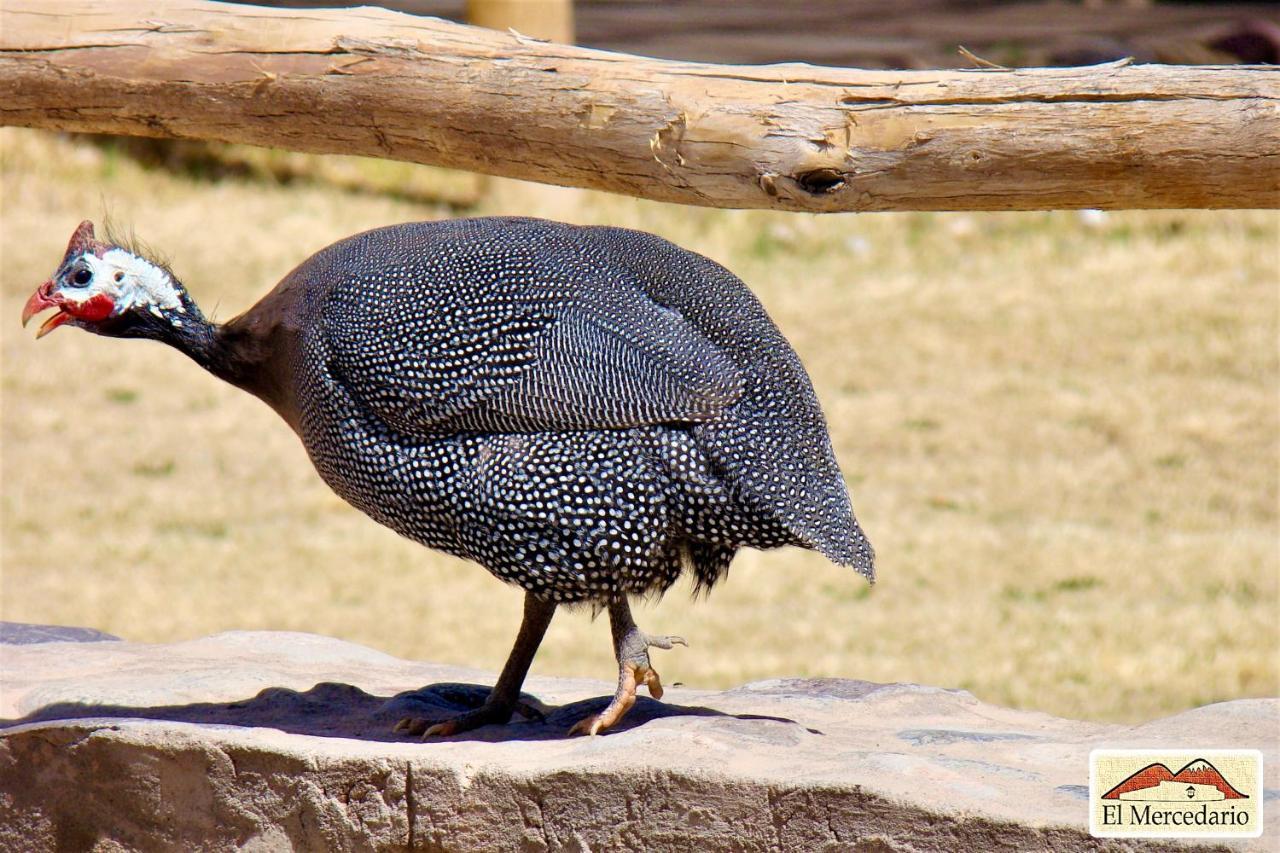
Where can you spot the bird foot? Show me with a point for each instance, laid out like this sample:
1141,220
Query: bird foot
490,713
634,669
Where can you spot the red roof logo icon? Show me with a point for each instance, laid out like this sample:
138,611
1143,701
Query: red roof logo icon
1198,772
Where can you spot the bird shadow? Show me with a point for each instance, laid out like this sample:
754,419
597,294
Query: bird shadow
337,710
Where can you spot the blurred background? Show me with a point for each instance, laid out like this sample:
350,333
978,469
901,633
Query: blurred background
1061,430
883,33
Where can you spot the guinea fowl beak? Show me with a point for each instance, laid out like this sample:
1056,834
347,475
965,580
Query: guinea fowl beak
43,298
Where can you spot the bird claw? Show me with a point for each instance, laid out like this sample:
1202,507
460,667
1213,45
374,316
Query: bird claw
633,670
411,726
445,729
665,641
653,682
589,726
417,726
623,698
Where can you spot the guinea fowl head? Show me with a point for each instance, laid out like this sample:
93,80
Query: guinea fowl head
113,291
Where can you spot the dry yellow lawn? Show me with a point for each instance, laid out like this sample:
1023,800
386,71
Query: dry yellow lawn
1061,433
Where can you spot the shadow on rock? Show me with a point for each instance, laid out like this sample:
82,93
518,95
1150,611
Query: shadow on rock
343,711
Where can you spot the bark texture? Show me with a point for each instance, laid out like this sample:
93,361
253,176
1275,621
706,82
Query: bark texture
789,137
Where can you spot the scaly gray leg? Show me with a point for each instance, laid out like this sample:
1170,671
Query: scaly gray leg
504,698
631,648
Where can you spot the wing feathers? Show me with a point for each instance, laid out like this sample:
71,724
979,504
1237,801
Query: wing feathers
597,357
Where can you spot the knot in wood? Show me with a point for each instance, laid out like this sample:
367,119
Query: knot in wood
822,181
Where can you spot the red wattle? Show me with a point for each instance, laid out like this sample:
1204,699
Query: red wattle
93,310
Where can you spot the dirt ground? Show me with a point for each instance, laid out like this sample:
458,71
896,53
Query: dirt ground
1061,431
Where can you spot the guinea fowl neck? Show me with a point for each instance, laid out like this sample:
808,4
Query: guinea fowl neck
231,351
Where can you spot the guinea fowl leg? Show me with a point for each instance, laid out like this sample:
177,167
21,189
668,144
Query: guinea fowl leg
504,698
631,648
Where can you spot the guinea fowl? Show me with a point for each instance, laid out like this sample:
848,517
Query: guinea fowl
586,412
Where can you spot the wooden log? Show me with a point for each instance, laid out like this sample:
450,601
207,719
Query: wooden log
551,20
792,137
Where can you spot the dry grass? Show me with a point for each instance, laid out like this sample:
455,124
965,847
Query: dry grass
1060,432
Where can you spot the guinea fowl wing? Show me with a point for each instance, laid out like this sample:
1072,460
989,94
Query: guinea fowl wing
528,351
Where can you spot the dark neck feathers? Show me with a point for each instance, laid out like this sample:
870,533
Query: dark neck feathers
244,351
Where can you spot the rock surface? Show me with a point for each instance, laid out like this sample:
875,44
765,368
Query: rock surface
271,741
25,633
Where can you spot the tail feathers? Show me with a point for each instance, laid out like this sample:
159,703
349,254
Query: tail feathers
852,549
836,534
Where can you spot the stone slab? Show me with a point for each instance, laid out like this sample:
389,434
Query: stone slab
268,740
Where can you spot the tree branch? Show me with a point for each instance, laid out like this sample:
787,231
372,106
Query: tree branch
789,137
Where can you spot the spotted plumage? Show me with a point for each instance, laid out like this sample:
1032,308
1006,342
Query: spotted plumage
585,412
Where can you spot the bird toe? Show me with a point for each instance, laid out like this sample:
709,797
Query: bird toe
411,726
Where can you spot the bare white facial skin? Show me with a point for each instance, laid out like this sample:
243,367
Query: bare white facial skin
126,279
